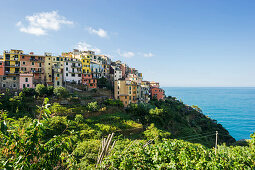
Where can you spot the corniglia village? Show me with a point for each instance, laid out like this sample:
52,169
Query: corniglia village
106,84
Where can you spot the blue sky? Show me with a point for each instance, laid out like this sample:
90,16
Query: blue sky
176,42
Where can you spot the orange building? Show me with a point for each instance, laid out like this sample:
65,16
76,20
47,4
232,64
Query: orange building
1,67
157,92
125,91
89,81
33,64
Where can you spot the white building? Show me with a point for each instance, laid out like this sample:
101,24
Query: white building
72,70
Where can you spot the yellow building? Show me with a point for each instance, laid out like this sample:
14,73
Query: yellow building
125,91
54,66
48,68
85,61
12,61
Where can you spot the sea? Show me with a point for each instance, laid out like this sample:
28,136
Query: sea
233,107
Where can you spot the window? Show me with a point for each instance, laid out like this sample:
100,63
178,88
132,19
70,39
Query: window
0,64
57,83
4,78
57,58
23,57
49,64
27,85
24,85
73,75
33,63
66,68
61,59
129,97
66,63
126,98
14,78
57,75
24,62
79,75
26,80
66,74
40,64
49,58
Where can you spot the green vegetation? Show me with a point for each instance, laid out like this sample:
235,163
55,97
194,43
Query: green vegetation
38,133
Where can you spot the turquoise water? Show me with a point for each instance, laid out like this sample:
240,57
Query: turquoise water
234,108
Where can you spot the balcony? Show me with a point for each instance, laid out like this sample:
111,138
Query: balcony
16,65
77,72
8,72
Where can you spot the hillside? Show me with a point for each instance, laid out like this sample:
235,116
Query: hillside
70,135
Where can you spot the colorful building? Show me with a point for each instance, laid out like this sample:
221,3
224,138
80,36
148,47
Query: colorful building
9,82
33,64
1,66
72,70
26,80
125,91
88,81
48,69
12,62
157,93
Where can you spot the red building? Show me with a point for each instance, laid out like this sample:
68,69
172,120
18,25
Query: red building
30,63
157,92
1,68
89,81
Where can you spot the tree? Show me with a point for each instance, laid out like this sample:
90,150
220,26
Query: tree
50,90
41,90
60,92
29,92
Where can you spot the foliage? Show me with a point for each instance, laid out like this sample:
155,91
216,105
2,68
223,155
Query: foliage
92,106
152,132
104,83
177,154
50,91
28,92
111,102
41,90
25,149
60,92
68,137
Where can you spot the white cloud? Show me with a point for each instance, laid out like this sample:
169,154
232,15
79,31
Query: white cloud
83,46
127,54
148,55
100,32
39,23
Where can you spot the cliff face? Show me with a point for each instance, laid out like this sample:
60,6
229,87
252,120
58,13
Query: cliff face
184,122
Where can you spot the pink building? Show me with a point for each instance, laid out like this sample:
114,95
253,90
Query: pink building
26,80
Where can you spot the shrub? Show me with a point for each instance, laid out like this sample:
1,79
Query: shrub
50,90
40,89
29,92
153,132
79,118
60,92
92,106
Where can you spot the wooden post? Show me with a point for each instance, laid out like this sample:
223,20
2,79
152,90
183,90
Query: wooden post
216,140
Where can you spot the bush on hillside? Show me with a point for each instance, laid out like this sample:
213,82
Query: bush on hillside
41,90
28,92
60,92
92,106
